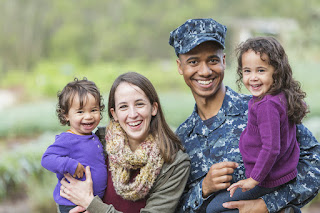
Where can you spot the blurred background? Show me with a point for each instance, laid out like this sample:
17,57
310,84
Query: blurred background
44,44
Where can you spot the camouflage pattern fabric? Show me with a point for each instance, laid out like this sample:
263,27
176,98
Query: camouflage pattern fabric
196,31
207,146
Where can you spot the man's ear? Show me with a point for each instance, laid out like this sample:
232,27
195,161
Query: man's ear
179,66
114,114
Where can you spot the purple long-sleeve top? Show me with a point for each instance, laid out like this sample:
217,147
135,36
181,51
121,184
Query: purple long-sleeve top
268,145
70,149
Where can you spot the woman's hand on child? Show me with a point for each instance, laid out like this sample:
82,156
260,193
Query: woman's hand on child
246,185
79,171
77,191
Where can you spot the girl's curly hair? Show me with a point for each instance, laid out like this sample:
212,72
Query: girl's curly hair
282,76
81,88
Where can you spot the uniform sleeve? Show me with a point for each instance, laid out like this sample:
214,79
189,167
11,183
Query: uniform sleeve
56,158
192,200
305,187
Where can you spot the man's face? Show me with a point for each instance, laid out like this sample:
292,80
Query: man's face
203,69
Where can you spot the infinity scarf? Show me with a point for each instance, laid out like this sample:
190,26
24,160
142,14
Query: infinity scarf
146,157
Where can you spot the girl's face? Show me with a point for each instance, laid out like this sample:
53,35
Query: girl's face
84,120
257,73
134,111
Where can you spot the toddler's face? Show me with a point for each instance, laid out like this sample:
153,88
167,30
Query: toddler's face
257,73
84,120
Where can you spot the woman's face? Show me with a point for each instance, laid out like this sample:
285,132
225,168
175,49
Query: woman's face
133,111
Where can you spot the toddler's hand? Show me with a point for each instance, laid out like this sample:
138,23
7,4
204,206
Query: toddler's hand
246,185
79,171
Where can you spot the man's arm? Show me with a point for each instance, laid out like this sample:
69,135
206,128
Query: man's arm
216,179
305,187
191,198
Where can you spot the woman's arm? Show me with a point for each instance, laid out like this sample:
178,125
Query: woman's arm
81,193
163,197
168,188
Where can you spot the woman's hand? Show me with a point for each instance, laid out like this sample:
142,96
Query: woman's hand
78,192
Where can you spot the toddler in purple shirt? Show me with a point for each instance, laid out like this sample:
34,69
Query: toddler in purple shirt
80,106
268,145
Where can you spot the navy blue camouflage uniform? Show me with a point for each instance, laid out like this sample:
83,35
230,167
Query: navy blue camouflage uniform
220,142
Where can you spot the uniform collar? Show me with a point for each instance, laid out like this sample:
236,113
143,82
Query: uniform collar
232,105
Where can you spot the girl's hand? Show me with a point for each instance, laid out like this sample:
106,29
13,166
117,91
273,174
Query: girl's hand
246,185
78,192
79,171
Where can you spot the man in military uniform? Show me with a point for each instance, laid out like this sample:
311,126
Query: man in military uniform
211,133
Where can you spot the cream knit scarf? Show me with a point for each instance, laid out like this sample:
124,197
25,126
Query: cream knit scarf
146,157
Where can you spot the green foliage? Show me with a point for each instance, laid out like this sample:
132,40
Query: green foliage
28,120
39,189
104,30
21,172
49,77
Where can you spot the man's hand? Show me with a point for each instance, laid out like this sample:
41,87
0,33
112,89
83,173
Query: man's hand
218,177
246,185
247,206
79,171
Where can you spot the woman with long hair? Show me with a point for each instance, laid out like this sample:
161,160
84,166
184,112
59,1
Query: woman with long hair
147,168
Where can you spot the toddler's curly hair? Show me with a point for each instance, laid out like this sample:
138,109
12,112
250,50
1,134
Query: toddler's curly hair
81,88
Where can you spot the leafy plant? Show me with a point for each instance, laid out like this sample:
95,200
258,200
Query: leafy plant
22,173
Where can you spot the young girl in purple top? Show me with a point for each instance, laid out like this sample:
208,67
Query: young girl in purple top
80,106
268,144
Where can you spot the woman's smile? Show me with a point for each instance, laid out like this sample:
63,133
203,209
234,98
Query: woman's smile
133,111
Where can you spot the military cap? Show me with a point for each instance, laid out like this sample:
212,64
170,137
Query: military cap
196,31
